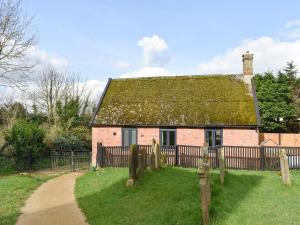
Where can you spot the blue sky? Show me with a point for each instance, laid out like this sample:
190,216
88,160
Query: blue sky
104,39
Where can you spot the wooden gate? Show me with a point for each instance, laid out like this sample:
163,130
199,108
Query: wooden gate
70,160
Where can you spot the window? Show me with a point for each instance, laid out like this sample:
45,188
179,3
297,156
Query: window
167,137
213,137
129,136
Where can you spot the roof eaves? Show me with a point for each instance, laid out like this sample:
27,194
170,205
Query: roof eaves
100,101
253,126
258,120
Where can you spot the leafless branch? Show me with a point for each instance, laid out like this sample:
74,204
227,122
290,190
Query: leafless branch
16,39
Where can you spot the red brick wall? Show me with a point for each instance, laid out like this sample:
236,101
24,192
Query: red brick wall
145,135
240,137
185,136
193,137
273,139
105,135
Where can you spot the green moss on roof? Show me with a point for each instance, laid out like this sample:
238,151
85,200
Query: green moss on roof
178,100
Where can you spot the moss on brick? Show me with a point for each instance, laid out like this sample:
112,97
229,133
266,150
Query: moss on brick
178,100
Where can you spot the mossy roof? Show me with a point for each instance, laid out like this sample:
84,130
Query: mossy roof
218,100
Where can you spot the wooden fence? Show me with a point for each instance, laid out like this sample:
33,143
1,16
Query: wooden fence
236,157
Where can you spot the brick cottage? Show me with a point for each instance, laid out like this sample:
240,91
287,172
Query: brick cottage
179,110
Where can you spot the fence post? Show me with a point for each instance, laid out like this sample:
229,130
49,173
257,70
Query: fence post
72,160
103,158
100,155
262,157
217,159
176,155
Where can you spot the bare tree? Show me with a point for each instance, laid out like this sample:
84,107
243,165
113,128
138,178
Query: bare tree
16,39
51,88
77,88
54,87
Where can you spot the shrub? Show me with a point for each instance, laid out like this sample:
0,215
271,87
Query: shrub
83,133
26,140
65,141
76,138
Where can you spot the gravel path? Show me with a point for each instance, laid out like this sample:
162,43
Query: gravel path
53,203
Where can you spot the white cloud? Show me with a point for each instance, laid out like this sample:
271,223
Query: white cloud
155,58
147,72
121,64
96,87
154,50
293,29
44,58
269,54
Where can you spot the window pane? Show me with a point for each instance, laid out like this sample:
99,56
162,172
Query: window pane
126,137
209,138
172,137
218,140
164,138
133,136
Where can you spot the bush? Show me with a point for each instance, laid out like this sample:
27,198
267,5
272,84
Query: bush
7,166
77,138
66,141
26,140
84,134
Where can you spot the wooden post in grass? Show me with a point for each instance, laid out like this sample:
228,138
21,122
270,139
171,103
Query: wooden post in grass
284,166
200,165
204,198
157,156
204,191
133,165
221,165
206,168
206,172
152,161
141,162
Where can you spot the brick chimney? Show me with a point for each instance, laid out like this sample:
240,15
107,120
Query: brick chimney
248,70
248,63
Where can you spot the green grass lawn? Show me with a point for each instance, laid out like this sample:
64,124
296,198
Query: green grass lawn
14,190
170,196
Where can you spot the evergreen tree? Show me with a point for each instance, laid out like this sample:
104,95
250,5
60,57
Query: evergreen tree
290,71
275,97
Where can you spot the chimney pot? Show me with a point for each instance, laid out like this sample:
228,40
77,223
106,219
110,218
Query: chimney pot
247,63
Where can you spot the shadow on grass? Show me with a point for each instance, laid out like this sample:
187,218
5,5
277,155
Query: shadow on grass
168,196
225,199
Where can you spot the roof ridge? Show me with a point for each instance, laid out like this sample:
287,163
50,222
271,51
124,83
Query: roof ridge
187,76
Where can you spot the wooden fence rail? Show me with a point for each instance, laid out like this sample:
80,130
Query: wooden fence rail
235,157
